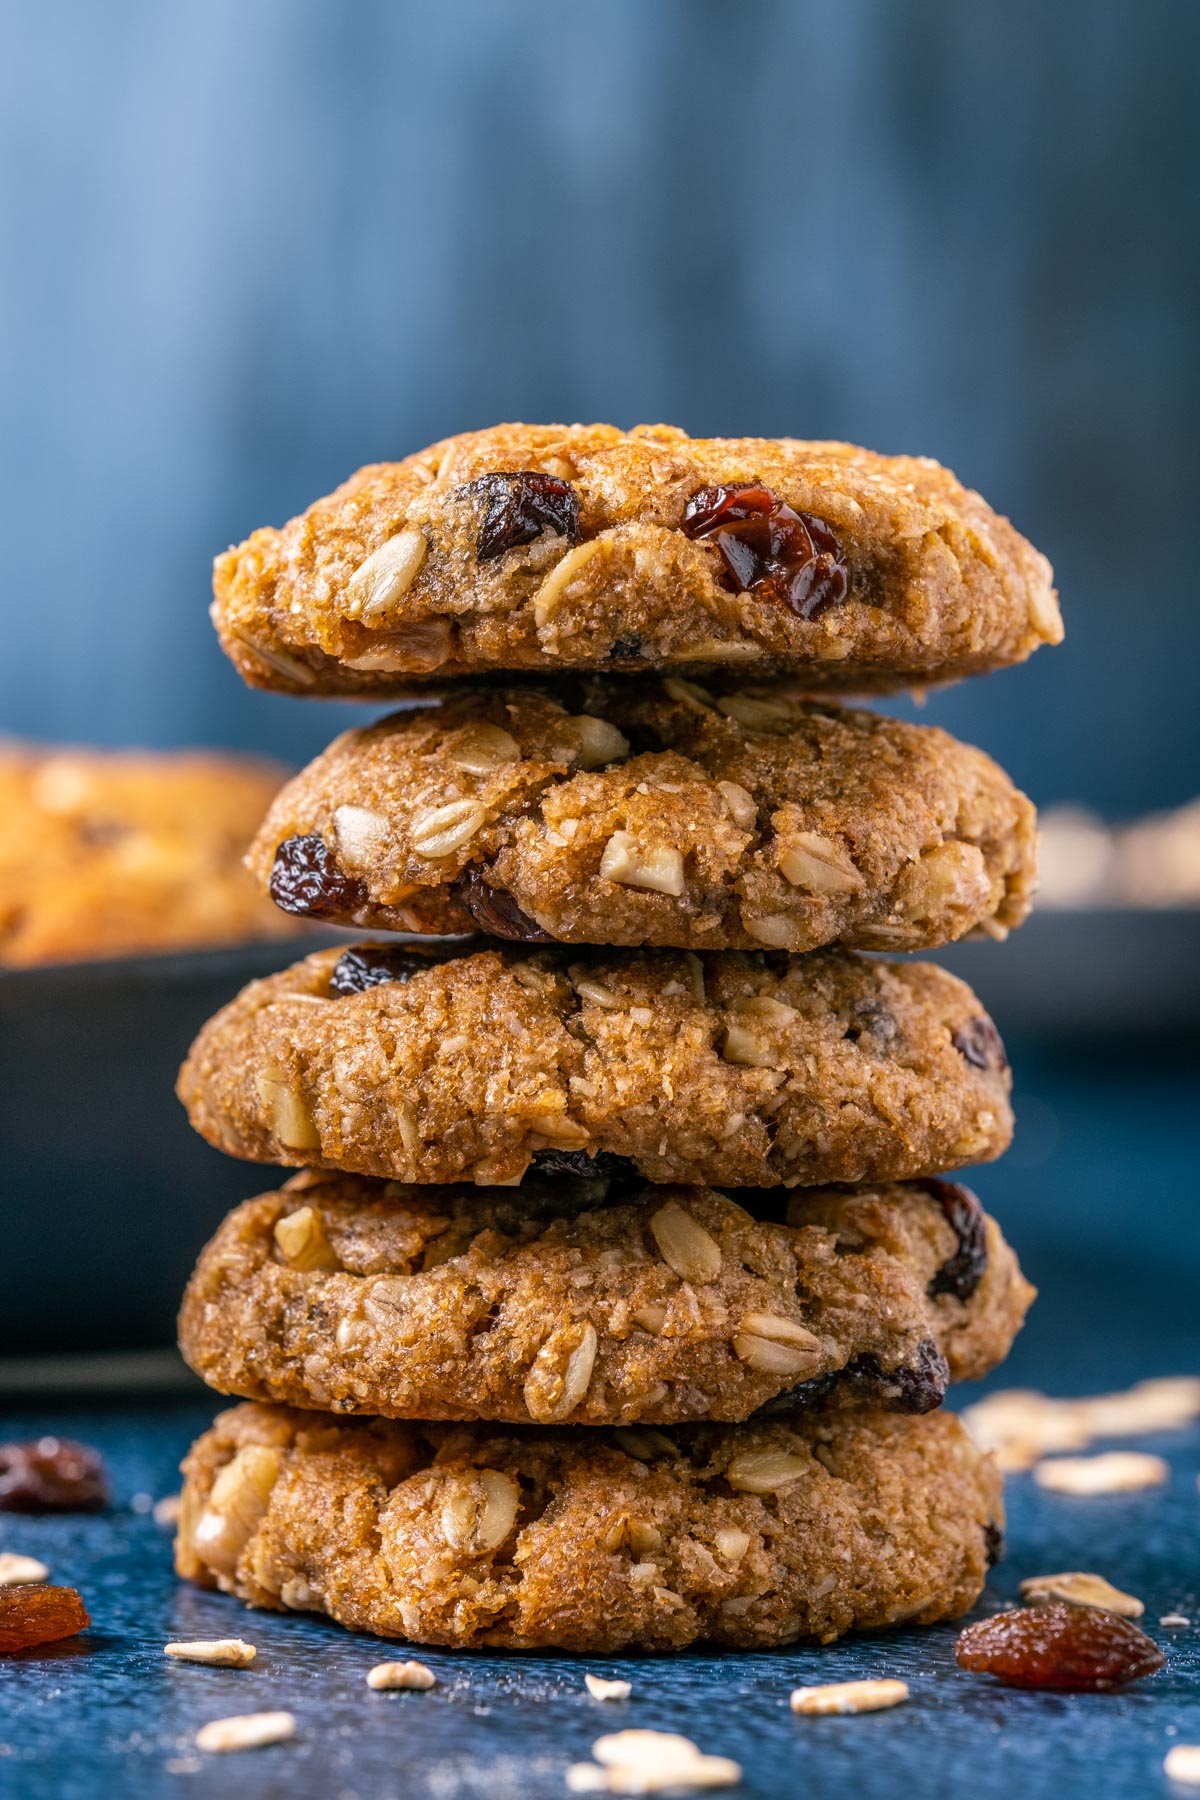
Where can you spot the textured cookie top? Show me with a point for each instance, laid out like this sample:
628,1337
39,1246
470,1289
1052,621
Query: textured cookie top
555,547
478,1536
653,812
738,1068
111,853
600,1303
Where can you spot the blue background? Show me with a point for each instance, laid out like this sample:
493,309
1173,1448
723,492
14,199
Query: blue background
250,244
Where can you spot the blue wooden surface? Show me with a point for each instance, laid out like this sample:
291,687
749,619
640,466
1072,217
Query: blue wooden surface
108,1714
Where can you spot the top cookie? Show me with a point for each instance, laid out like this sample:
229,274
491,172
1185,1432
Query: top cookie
554,547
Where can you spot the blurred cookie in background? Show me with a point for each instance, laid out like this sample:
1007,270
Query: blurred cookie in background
1152,861
111,853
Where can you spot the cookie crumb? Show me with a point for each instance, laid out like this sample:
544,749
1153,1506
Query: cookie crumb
401,1675
1175,1620
246,1731
649,1762
20,1571
1114,1472
848,1697
1182,1763
225,1653
602,1689
1075,1588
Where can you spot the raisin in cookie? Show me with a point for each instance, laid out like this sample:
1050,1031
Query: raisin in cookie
555,547
487,1537
653,813
600,1303
113,853
736,1068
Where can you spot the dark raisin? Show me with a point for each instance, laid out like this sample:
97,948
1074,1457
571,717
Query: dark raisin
962,1272
603,1166
875,1022
919,1386
1080,1649
916,1387
39,1615
812,1392
98,834
519,506
306,879
993,1539
495,911
769,547
979,1043
372,965
626,648
51,1474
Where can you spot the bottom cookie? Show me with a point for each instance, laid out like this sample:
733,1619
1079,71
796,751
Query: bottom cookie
596,1541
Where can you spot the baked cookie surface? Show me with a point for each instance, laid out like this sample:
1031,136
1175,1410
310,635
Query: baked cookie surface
599,1303
554,547
115,853
477,1536
735,1068
627,811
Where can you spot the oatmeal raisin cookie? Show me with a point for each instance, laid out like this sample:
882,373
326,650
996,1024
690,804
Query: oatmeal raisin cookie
555,547
748,1069
653,812
600,1302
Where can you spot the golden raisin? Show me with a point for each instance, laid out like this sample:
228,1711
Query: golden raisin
1077,1648
39,1615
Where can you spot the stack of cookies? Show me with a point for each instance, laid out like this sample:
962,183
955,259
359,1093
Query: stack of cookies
621,1285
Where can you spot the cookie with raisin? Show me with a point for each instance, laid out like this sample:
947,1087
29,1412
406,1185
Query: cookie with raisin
739,1068
653,811
491,1537
602,1301
555,547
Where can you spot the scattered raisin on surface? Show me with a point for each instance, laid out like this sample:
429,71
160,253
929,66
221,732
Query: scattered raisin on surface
768,546
306,879
496,912
372,965
962,1272
1080,1649
519,506
979,1043
39,1615
51,1474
